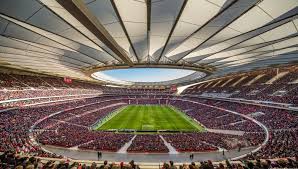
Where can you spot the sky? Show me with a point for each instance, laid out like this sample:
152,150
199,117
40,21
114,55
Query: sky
147,74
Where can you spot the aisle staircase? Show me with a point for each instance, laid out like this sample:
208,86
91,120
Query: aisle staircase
254,79
275,78
171,149
124,148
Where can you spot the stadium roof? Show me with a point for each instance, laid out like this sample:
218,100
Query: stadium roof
78,37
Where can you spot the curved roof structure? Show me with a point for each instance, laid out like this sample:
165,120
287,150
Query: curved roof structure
76,38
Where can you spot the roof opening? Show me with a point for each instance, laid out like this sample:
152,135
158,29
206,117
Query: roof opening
142,74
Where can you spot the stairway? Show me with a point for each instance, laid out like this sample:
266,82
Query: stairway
124,148
275,78
254,79
240,80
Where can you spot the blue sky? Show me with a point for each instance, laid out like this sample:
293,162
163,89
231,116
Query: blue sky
147,74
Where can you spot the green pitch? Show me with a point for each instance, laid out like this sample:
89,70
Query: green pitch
150,117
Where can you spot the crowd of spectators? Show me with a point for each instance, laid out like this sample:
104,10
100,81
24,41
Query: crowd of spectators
60,128
270,117
282,143
9,104
145,91
15,124
12,160
245,164
214,118
37,93
189,143
19,82
19,90
282,125
75,123
67,135
74,117
206,141
91,114
107,141
255,85
148,143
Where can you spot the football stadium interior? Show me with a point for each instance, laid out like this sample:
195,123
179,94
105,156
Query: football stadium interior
70,98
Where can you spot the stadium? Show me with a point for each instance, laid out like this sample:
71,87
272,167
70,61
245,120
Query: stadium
113,84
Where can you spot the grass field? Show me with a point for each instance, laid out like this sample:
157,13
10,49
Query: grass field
150,117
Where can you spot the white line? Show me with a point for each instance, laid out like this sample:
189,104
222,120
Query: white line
198,125
101,122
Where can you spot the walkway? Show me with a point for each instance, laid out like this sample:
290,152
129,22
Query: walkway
145,157
124,148
232,132
77,146
172,150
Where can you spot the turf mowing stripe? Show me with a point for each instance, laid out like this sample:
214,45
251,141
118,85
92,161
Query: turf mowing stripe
128,118
150,117
186,126
172,118
171,121
179,121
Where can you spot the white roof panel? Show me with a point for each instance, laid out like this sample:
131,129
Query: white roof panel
218,35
